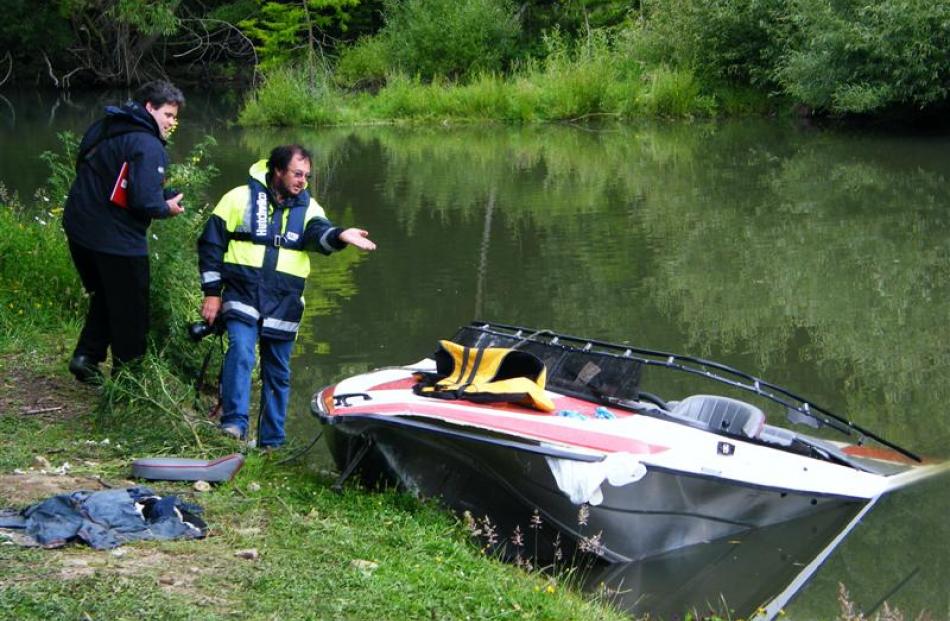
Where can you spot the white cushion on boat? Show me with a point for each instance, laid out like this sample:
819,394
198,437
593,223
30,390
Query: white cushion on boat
720,415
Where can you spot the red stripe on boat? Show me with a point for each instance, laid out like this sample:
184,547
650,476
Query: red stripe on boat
873,452
536,427
405,383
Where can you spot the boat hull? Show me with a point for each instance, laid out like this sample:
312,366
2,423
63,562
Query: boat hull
663,511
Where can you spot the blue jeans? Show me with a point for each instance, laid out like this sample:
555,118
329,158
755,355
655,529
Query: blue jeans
236,382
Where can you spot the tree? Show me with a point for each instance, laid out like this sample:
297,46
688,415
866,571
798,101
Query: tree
284,29
116,37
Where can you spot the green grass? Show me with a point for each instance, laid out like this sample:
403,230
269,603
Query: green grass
39,289
574,81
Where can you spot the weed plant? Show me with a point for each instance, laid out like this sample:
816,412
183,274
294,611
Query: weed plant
437,60
293,95
40,291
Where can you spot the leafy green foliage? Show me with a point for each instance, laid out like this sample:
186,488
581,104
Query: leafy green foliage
722,40
577,79
450,38
175,297
574,17
62,166
364,64
29,26
846,56
675,93
153,18
284,28
289,96
33,250
852,56
235,12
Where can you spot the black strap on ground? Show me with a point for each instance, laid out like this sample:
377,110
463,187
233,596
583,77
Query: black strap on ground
301,452
200,381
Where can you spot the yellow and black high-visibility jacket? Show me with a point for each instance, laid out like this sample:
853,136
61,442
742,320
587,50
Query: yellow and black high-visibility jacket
253,253
486,375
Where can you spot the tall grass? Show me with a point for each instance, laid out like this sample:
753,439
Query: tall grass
597,76
39,289
293,95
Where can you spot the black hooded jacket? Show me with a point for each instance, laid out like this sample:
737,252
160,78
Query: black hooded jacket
126,134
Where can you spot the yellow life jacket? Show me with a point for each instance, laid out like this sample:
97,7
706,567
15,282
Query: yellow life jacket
486,375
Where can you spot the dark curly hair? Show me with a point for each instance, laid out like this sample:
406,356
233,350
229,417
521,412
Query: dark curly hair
280,157
158,93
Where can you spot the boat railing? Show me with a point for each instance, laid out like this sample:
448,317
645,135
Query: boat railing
619,367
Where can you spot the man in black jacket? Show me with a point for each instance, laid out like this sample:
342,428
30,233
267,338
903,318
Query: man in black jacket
118,191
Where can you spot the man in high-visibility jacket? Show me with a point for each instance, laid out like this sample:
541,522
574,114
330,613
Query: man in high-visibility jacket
252,256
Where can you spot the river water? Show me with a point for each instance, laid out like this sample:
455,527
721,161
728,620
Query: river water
816,258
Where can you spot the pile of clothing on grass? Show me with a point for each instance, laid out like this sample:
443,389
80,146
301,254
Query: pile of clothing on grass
106,519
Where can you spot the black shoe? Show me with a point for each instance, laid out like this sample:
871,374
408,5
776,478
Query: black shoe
85,369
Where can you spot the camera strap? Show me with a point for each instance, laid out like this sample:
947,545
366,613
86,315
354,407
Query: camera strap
200,381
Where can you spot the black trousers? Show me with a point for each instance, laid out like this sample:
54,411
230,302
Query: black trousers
118,304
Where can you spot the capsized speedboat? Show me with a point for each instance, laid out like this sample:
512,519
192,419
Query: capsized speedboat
597,459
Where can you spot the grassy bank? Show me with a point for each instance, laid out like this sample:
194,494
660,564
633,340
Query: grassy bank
593,80
308,553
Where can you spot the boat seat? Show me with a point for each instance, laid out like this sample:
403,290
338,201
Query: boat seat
720,415
777,435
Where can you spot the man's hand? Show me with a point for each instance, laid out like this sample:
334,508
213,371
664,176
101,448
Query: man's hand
358,238
174,206
210,308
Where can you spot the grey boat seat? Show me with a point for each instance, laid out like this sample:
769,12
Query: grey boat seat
720,415
777,435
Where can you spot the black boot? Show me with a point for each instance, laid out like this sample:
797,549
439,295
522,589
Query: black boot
85,369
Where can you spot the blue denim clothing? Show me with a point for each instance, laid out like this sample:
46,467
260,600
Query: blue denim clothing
236,381
110,518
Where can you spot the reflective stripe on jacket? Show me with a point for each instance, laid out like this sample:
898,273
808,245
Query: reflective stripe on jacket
253,253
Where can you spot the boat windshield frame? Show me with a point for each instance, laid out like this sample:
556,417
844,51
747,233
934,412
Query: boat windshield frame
639,357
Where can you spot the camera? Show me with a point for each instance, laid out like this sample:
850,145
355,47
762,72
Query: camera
200,329
168,193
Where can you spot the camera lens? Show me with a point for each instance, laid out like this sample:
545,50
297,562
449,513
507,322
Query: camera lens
198,330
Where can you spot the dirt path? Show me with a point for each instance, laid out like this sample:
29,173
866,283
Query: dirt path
27,391
32,388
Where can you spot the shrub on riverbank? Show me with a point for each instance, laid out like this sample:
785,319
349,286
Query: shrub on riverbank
41,291
833,56
293,95
594,77
447,38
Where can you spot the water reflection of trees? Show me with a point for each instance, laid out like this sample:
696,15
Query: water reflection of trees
839,245
752,239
